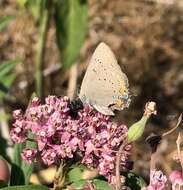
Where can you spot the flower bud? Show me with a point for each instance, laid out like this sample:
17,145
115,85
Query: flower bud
174,175
137,129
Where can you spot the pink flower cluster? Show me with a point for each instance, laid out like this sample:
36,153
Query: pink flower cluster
158,181
91,135
176,179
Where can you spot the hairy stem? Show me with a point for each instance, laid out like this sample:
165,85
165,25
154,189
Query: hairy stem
178,142
118,160
153,161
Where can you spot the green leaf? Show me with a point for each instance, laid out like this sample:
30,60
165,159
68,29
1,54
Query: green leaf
3,144
6,77
6,68
2,184
21,3
79,184
71,26
33,95
4,21
33,6
27,187
134,181
101,184
21,171
17,174
75,174
28,168
5,85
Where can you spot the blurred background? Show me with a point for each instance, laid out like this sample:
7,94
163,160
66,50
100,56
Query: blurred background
45,47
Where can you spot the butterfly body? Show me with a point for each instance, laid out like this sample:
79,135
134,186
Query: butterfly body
104,85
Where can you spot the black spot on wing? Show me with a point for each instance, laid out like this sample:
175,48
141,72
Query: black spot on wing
94,70
98,60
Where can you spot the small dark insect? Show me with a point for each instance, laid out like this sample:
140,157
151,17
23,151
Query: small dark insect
75,106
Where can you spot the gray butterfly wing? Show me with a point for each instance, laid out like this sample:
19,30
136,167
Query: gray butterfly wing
104,83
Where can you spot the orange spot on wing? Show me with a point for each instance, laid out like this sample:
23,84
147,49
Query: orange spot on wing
119,104
123,90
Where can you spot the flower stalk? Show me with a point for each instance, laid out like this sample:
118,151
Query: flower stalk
44,24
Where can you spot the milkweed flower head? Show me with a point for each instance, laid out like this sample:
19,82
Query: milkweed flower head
91,135
158,181
176,180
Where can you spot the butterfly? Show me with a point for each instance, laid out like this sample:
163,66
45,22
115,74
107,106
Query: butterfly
105,86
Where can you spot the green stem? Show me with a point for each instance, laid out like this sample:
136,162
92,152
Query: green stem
44,23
